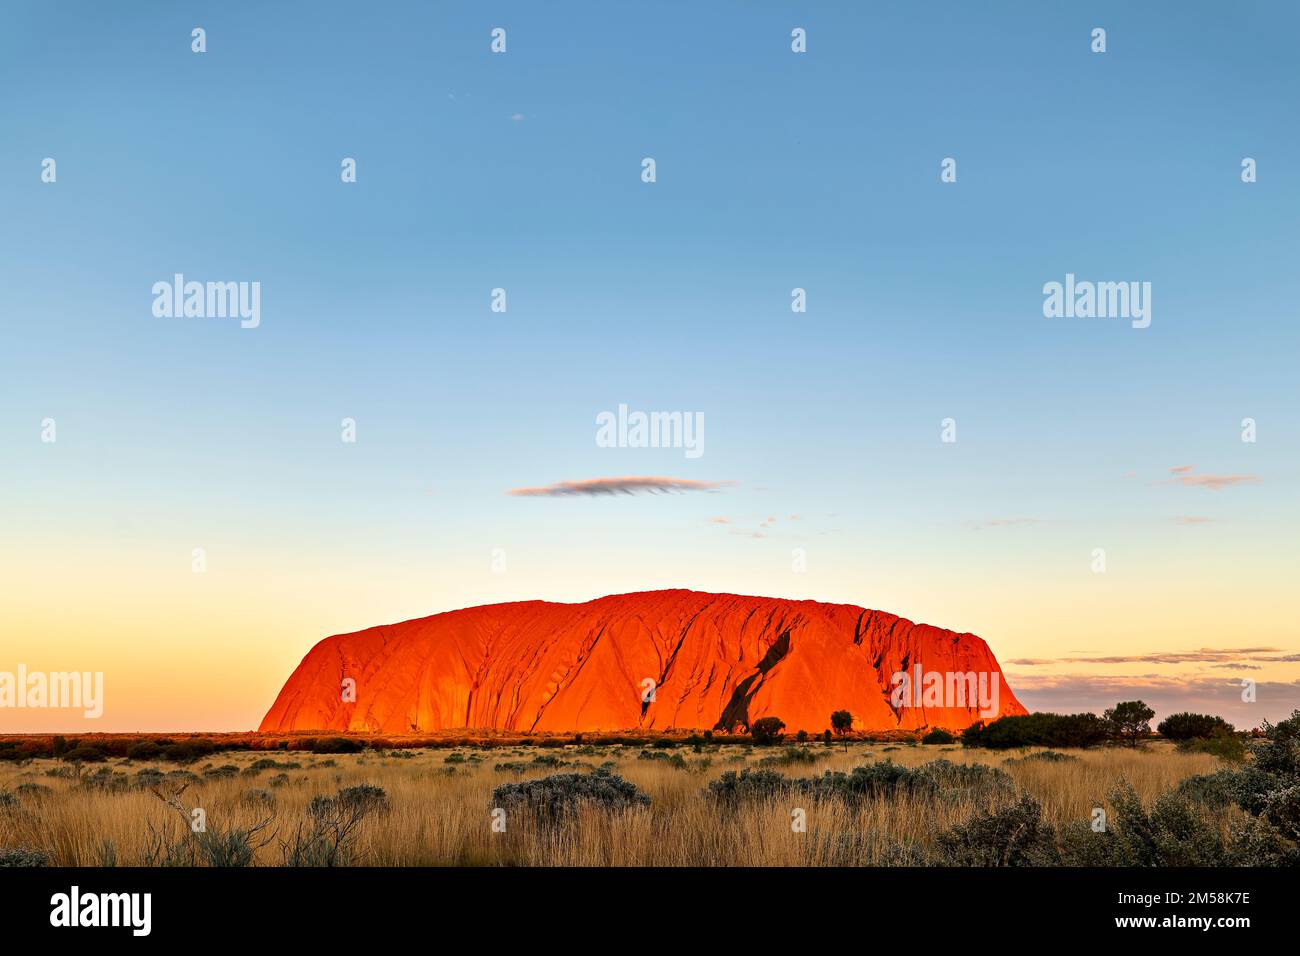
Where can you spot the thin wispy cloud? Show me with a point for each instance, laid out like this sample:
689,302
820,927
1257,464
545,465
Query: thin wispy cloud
1216,482
1184,475
630,485
1191,519
1227,657
1072,693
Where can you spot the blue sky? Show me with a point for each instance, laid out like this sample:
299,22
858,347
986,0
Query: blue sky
775,171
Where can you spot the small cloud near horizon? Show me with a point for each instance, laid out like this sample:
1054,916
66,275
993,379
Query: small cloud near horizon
629,485
1191,519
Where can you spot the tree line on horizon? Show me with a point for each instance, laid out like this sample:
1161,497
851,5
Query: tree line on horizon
1128,722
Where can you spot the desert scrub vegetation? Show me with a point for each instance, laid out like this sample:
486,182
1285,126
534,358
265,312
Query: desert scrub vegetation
976,808
557,798
329,836
885,779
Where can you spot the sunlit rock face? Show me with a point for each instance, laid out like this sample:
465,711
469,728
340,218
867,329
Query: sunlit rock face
656,660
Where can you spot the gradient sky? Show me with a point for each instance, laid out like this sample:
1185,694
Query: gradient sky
775,171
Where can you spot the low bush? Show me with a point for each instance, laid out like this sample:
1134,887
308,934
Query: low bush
558,797
1222,742
1044,756
15,856
268,763
749,784
789,756
185,753
337,745
85,755
143,750
1012,836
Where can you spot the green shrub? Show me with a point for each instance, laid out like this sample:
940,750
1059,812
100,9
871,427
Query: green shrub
85,755
1174,832
185,753
1268,788
143,750
747,785
1179,829
767,730
1187,726
1012,836
268,763
938,736
788,756
1222,743
337,745
558,797
16,856
1044,756
1214,790
1037,730
107,780
365,797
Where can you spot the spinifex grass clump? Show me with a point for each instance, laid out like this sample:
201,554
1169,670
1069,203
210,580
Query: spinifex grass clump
558,797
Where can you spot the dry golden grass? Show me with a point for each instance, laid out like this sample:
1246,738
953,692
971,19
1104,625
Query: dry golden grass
440,812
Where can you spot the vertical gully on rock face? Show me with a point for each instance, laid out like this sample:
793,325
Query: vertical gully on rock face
668,665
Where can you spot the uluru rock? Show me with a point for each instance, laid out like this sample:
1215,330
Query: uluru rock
717,661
